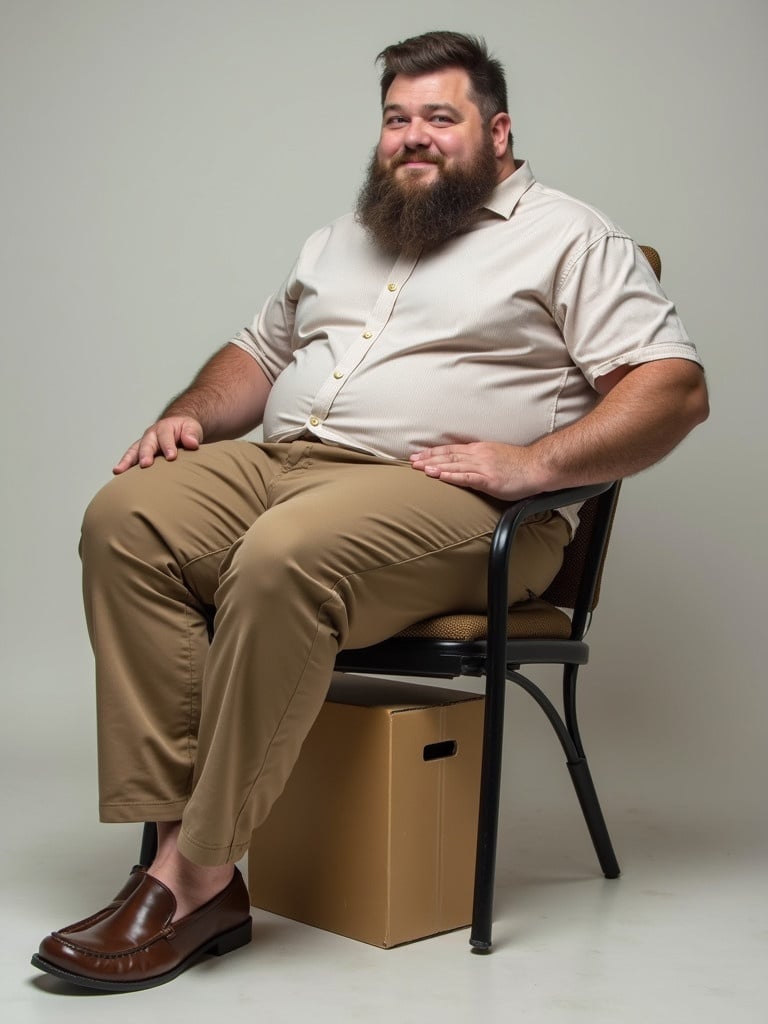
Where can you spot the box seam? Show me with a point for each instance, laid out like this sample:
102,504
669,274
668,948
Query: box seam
388,900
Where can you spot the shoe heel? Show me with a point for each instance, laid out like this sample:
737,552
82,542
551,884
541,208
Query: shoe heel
231,940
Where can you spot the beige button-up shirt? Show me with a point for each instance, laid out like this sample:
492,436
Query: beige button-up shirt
497,335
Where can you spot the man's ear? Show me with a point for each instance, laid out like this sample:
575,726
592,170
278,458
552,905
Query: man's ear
501,125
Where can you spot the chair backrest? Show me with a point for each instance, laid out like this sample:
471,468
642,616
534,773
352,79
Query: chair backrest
653,258
590,542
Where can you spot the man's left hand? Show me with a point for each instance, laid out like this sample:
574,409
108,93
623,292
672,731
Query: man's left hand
504,471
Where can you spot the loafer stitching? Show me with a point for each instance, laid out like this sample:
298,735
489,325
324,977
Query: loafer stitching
166,933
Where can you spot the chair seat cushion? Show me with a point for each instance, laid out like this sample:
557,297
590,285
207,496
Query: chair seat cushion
535,619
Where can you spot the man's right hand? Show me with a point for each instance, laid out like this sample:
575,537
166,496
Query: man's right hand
163,438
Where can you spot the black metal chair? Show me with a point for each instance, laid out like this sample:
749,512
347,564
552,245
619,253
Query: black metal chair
532,633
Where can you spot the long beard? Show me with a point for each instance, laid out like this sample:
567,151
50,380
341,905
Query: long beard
409,217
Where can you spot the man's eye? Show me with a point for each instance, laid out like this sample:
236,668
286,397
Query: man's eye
442,119
395,119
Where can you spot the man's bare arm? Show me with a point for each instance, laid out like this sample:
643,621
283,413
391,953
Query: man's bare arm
645,412
225,400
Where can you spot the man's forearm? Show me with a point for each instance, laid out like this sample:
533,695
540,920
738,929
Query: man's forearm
225,400
227,397
641,419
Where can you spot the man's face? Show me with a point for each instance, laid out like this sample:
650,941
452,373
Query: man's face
435,164
430,125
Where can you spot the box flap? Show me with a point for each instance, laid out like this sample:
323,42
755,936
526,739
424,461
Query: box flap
392,695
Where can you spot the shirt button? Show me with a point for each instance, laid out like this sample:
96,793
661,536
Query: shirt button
313,421
392,286
338,375
367,334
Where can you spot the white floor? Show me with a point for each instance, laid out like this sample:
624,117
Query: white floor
681,936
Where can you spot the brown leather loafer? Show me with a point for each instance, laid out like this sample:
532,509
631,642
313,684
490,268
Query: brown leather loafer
137,946
136,875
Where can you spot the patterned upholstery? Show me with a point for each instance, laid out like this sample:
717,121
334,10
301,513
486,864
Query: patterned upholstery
653,258
534,618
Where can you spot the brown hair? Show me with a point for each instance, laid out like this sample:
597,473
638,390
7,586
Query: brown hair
434,51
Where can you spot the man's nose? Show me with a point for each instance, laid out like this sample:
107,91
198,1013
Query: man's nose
416,134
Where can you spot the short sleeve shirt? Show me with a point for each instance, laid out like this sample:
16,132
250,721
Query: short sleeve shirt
499,334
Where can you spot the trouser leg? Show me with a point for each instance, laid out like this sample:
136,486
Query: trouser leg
153,541
349,551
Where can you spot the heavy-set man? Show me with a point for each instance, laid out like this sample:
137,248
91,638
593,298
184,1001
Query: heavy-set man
466,337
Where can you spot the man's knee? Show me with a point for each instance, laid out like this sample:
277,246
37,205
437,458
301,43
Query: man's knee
121,516
103,516
274,563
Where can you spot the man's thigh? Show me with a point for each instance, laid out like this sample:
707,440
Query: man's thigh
183,516
394,545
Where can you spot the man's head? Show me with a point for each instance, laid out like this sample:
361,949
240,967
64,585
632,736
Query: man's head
444,145
436,51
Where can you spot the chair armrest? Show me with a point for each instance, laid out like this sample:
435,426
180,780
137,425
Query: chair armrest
504,534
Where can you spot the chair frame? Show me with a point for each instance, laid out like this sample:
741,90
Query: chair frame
499,659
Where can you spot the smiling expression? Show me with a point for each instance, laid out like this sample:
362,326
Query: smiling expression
429,123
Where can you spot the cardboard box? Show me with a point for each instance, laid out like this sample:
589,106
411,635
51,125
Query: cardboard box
374,835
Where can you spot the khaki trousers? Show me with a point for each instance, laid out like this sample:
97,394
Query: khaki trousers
218,590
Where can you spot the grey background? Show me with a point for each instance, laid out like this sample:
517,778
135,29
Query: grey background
162,161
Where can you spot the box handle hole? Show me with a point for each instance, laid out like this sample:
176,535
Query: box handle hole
446,748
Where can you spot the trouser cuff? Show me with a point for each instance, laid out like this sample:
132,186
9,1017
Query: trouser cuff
152,810
210,856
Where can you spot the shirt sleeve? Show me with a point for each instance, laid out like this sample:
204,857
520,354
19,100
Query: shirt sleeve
612,311
269,339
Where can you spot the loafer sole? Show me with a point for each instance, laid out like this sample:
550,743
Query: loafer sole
224,942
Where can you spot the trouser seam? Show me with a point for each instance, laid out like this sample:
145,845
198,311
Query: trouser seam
142,803
301,461
190,690
206,554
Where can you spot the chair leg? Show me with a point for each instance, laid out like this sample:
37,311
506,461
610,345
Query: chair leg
568,734
148,844
488,816
593,815
485,869
582,779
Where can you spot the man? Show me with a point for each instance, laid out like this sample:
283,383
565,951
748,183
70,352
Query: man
468,337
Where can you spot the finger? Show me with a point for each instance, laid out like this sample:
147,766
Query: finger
462,478
167,440
433,466
149,447
440,468
190,436
437,452
130,458
455,462
425,453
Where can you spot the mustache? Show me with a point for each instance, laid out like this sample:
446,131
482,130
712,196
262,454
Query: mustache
422,156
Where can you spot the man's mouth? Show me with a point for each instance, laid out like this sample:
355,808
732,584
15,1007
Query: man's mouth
417,160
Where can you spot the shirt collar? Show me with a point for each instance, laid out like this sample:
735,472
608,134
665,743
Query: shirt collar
508,192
